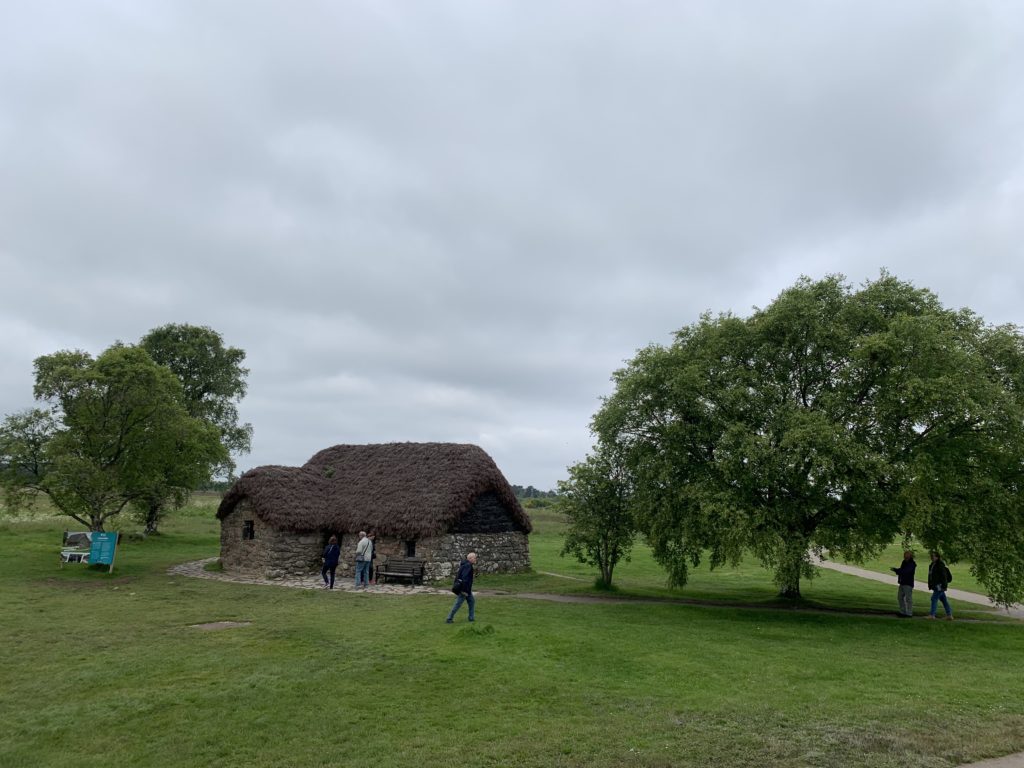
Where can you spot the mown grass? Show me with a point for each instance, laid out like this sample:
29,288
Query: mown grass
107,670
746,584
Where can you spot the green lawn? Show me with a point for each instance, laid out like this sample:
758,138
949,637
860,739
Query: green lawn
747,584
106,671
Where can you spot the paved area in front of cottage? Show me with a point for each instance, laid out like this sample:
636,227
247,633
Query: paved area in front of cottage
197,569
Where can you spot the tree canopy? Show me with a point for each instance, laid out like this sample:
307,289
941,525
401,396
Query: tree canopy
212,379
595,499
115,429
833,419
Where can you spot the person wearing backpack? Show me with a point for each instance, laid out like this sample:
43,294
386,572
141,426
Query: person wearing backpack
938,579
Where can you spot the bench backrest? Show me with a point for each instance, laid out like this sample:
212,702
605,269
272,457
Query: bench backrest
404,564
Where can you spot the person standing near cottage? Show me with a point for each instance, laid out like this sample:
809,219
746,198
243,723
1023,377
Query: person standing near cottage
463,587
363,550
373,556
332,554
938,580
905,579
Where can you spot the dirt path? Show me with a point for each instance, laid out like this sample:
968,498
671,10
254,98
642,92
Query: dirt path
1008,761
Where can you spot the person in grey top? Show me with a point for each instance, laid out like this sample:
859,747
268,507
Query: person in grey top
364,550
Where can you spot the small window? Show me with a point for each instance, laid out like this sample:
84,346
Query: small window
248,530
410,548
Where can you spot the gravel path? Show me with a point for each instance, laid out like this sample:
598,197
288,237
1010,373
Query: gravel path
1016,611
197,569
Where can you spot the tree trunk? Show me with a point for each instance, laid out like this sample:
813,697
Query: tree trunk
790,592
606,575
790,568
152,518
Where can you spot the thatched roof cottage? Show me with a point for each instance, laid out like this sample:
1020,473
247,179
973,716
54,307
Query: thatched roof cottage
434,501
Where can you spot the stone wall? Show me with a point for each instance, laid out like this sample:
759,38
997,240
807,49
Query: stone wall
277,554
496,552
271,553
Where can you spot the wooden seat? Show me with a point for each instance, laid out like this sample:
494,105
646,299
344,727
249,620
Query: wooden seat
405,568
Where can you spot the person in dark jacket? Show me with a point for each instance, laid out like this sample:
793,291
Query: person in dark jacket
905,579
464,583
938,580
332,553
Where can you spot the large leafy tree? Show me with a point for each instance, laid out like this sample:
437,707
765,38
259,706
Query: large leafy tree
832,419
595,500
211,375
115,427
213,382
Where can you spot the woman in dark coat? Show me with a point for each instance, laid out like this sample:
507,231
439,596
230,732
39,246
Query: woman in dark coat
332,553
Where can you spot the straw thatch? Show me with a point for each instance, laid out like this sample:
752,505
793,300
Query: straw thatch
406,490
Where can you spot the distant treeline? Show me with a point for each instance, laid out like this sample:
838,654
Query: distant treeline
215,485
529,492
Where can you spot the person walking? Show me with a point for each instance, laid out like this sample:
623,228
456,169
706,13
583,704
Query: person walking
463,587
938,580
905,579
363,560
332,554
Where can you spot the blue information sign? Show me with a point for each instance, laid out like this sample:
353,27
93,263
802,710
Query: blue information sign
104,547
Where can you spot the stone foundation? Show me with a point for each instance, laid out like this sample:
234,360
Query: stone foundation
275,554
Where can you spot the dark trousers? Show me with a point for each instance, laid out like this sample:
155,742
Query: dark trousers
329,569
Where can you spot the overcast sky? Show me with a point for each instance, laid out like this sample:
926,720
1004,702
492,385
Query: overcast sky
453,221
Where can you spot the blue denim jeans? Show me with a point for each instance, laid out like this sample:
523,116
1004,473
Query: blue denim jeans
362,572
465,597
937,595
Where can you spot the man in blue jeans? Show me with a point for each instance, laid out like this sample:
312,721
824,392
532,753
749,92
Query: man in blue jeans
938,580
464,583
363,551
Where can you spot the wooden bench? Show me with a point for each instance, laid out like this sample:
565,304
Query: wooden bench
408,568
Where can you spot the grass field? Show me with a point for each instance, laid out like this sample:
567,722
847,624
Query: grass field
107,671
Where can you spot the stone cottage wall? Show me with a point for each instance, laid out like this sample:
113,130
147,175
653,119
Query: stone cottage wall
271,553
278,554
496,552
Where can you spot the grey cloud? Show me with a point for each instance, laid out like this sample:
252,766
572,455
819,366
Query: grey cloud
454,221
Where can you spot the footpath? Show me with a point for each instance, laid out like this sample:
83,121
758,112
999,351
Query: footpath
197,570
1017,611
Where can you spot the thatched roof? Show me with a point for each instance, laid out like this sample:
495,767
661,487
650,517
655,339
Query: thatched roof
398,489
